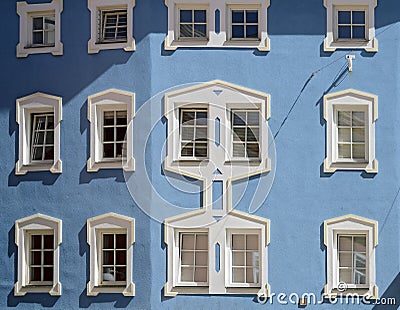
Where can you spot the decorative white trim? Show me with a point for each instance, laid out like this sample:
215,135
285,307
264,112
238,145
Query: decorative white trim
214,39
37,222
25,107
94,5
218,232
331,44
350,224
25,10
357,100
109,222
97,103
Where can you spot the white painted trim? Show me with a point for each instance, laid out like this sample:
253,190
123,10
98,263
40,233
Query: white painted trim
357,100
94,5
110,99
37,222
111,222
214,39
24,10
330,44
25,107
350,224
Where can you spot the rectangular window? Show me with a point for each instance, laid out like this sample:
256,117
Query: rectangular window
192,24
352,252
43,30
245,251
41,258
42,139
113,256
114,132
351,24
246,133
351,135
113,26
245,24
193,257
193,133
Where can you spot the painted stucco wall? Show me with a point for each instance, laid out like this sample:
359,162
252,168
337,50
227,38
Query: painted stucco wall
301,198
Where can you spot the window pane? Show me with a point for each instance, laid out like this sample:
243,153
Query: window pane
251,16
50,122
37,23
48,242
238,242
36,258
187,133
108,241
345,276
120,274
187,149
108,150
239,118
109,118
35,274
237,31
345,243
358,135
188,118
252,32
49,153
200,150
252,118
237,16
360,244
108,257
344,151
358,32
200,274
238,258
344,17
38,138
252,242
238,275
360,276
239,134
201,259
344,134
252,150
37,153
48,257
344,32
121,117
121,132
37,38
119,150
109,34
108,274
200,16
48,274
187,258
50,137
358,118
36,242
120,257
358,17
187,241
185,16
250,275
120,241
200,31
49,37
49,23
108,134
252,134
187,274
122,33
201,118
345,260
238,150
359,151
202,242
201,134
122,20
110,19
360,261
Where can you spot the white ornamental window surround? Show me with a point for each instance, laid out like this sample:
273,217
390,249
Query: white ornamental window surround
40,28
111,25
351,241
111,237
350,116
38,238
111,131
350,25
39,116
192,23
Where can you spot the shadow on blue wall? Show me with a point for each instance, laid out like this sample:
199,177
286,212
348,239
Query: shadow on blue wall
391,292
86,301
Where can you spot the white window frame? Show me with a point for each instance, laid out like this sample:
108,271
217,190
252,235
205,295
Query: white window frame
96,6
109,223
214,39
26,12
350,100
331,43
24,228
109,100
350,225
244,7
192,7
25,108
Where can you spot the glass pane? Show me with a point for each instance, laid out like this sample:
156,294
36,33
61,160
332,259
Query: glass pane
238,258
49,37
237,31
345,243
360,260
359,151
201,242
187,149
35,274
187,274
187,133
344,32
345,276
40,122
120,257
344,151
238,150
360,244
108,241
50,137
49,23
37,23
48,258
109,118
358,135
238,16
48,274
252,150
252,134
201,259
200,31
238,275
345,260
358,118
50,122
344,17
358,32
358,17
344,134
201,118
200,274
187,241
48,242
188,118
251,16
36,242
121,117
110,20
49,153
200,150
37,38
359,276
108,274
38,138
252,118
252,32
37,153
120,240
122,33
119,150
187,258
201,134
108,134
250,275
121,132
239,119
109,34
200,16
252,242
108,150
186,31
238,242
344,118
122,21
239,134
120,274
108,257
185,16
36,258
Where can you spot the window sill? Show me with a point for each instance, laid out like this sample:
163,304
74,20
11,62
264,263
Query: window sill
127,290
331,45
369,167
25,51
128,165
53,167
53,290
360,292
128,46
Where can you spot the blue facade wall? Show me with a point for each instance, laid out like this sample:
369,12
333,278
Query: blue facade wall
301,198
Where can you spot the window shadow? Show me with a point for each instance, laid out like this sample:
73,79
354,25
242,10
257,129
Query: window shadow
391,292
46,177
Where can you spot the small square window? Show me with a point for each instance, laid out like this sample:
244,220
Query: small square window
245,134
192,24
43,30
244,25
193,133
351,25
113,26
